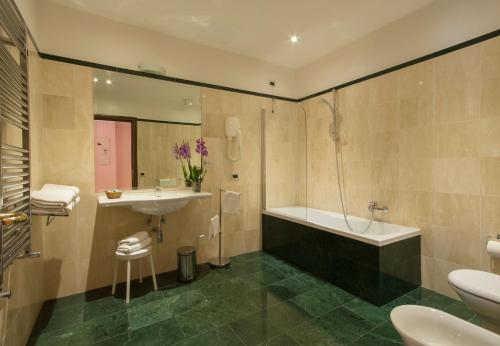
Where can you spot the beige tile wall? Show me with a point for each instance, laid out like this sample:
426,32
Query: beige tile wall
285,151
78,250
154,151
243,232
425,141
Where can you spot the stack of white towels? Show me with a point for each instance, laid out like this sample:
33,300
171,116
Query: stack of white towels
54,199
135,242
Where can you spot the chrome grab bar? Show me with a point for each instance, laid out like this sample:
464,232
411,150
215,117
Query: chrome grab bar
29,254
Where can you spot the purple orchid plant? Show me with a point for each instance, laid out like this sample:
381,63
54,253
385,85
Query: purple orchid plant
192,173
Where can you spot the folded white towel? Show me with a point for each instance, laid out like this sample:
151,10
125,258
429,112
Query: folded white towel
38,209
52,198
214,227
134,238
58,212
50,206
231,202
134,247
73,204
75,189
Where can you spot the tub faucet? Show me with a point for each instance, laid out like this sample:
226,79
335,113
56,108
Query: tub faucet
158,191
373,206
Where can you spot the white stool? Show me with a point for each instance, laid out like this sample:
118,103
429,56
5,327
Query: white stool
137,255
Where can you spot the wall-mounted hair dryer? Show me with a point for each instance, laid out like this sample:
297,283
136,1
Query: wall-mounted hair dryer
233,134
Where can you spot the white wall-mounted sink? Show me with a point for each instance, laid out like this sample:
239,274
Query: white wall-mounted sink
153,202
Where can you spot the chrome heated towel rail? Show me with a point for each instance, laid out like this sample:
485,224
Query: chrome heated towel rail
15,215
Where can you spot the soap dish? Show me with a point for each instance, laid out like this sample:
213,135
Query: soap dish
113,194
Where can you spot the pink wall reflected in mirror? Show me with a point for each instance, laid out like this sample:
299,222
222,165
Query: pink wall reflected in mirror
113,155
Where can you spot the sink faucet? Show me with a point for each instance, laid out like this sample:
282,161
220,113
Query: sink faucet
158,191
373,206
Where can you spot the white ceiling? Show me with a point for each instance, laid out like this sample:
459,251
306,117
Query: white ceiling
258,28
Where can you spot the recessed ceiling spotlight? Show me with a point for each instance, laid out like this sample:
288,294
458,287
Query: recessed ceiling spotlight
294,38
96,79
109,82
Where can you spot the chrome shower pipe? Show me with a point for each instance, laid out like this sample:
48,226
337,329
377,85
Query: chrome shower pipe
339,163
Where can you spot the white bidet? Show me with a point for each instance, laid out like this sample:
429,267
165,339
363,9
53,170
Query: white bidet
424,326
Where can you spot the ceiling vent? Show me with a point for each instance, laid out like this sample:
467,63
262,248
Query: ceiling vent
151,68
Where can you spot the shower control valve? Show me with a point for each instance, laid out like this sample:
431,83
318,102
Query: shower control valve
373,206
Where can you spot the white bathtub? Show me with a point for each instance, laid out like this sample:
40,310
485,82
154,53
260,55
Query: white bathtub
379,234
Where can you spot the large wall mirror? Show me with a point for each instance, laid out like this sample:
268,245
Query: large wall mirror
137,120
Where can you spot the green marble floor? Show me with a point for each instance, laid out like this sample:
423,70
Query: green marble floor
259,300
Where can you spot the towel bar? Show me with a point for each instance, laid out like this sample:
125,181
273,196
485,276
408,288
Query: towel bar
29,254
15,209
220,262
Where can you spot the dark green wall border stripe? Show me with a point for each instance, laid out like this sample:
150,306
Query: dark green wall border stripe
167,122
456,47
114,117
155,76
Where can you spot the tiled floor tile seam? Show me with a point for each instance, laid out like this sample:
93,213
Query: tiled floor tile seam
246,276
75,327
60,331
256,306
311,320
129,309
257,309
351,311
103,341
263,286
121,310
83,305
129,331
264,343
61,309
213,311
83,302
185,337
371,330
65,307
419,302
237,335
471,318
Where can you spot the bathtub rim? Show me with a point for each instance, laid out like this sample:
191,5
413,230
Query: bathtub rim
412,231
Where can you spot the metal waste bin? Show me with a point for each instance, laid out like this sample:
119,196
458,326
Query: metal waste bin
186,263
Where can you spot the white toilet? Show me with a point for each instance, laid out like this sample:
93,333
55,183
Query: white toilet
480,291
424,326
